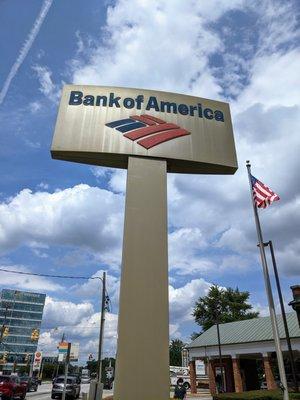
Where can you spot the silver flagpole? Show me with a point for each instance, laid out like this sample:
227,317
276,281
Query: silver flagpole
269,293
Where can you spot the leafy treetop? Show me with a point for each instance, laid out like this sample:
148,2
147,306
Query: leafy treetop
222,305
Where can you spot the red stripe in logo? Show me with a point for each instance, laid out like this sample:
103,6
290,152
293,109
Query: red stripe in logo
156,130
162,137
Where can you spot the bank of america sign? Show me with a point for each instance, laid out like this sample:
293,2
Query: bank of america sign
104,125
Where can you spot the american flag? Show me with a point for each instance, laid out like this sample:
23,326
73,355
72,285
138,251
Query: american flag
262,195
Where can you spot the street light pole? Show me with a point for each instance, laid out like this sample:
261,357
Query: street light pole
220,353
288,340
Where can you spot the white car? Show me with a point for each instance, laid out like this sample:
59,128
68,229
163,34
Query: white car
174,377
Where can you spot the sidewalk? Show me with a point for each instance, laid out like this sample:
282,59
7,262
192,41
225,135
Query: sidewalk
201,395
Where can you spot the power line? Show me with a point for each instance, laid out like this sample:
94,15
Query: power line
49,275
57,276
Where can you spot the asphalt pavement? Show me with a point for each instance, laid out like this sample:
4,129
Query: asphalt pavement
44,393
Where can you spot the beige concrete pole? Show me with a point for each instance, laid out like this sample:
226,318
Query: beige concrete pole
142,369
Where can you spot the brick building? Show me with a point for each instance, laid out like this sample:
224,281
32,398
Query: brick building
248,354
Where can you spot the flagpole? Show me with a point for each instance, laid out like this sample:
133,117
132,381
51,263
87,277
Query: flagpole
269,292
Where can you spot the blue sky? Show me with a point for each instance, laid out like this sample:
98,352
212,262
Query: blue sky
66,218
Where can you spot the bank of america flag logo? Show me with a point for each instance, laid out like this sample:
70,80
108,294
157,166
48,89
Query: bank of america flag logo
147,130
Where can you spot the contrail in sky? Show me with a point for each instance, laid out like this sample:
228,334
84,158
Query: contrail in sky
25,48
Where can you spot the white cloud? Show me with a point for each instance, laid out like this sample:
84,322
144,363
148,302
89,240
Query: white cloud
274,82
34,107
47,86
91,288
182,299
148,29
65,313
26,282
184,247
43,186
81,324
82,216
117,182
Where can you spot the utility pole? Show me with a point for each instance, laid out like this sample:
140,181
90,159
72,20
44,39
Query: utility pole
103,306
96,387
57,368
66,371
287,334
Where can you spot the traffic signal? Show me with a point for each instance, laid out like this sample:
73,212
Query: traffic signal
4,357
5,331
35,334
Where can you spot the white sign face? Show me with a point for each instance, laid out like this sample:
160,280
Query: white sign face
200,367
37,362
105,125
74,353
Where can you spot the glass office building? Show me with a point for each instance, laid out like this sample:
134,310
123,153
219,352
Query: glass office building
21,312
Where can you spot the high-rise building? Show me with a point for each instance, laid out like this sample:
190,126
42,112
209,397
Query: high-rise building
20,321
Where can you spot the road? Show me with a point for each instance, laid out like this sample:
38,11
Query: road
44,392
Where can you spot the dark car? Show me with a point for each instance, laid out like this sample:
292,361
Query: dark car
72,387
11,388
31,384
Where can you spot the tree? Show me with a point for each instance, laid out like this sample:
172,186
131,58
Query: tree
175,349
224,305
92,366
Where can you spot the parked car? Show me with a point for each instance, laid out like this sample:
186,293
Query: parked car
175,376
31,384
72,387
11,388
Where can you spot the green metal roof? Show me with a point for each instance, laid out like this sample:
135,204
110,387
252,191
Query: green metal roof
250,330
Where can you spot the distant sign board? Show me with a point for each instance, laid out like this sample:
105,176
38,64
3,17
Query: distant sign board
74,354
104,125
200,367
37,362
62,351
63,347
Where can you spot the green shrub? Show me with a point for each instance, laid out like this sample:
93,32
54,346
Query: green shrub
256,395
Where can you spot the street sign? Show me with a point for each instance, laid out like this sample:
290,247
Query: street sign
62,351
105,125
74,354
63,347
37,362
200,367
